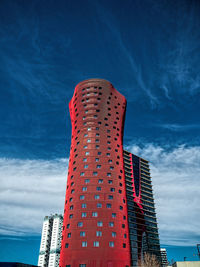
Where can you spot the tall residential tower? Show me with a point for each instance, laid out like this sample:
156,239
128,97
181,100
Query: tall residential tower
49,255
109,216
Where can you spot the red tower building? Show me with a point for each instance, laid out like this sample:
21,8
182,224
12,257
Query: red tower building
95,227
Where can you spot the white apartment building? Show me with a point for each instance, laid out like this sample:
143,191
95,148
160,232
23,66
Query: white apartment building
50,241
164,260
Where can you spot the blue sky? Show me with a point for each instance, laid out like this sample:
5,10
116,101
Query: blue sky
149,50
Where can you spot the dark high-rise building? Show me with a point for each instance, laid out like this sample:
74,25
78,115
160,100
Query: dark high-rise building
143,230
109,216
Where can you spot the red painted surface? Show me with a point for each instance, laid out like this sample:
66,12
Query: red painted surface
104,110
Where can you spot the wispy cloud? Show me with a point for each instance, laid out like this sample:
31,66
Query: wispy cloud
180,64
136,70
30,189
176,183
178,127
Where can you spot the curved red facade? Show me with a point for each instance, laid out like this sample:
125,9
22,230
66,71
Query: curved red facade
95,227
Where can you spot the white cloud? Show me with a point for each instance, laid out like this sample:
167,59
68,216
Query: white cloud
176,183
30,189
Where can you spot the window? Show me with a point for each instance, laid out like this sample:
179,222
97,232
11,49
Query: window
110,197
98,188
68,265
89,129
114,234
97,141
111,167
98,233
100,181
120,207
123,225
97,146
89,141
68,225
84,244
96,243
99,205
95,173
72,191
96,197
110,161
87,181
111,224
70,200
112,189
79,224
85,135
84,214
108,174
84,160
125,236
71,207
82,174
98,166
100,224
82,197
110,181
111,244
84,188
82,233
97,159
83,205
66,245
69,235
82,265
99,153
71,216
108,154
94,214
87,153
85,147
124,245
85,166
113,215
108,205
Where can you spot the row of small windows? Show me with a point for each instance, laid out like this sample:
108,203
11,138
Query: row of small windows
94,213
99,224
96,244
95,173
82,197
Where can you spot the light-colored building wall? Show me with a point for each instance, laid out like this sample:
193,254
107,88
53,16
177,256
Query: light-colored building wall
186,264
50,241
54,255
45,242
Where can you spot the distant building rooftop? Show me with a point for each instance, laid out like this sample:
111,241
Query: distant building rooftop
186,264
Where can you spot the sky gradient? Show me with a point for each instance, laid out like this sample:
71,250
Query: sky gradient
149,51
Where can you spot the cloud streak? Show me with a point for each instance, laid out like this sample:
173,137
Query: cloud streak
178,127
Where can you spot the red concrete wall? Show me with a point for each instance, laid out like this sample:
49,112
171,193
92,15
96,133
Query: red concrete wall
97,113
